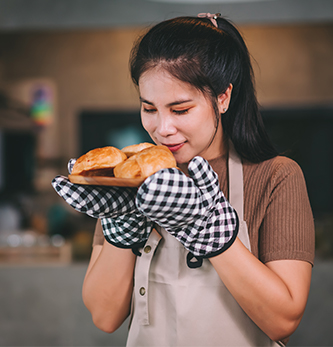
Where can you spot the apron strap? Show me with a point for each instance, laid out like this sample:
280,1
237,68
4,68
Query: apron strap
236,197
236,193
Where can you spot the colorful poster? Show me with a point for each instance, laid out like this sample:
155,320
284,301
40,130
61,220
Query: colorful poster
42,105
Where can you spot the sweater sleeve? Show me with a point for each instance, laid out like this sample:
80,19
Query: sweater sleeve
287,231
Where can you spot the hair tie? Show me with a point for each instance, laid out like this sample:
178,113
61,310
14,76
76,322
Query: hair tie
211,17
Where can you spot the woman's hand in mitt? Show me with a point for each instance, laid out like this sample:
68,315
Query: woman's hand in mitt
193,209
123,225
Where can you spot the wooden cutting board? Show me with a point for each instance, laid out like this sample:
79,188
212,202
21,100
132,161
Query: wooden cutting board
106,181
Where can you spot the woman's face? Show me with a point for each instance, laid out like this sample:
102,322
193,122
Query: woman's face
178,116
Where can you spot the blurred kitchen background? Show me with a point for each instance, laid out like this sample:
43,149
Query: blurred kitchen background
65,89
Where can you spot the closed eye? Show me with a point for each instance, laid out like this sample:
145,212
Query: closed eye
181,111
149,110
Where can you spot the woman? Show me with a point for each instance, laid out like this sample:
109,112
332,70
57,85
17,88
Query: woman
226,254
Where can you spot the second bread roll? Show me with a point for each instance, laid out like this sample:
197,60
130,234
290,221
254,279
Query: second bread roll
145,163
133,149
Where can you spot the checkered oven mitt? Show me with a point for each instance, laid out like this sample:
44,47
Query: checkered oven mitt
123,225
193,209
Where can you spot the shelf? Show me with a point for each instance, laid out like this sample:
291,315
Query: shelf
36,255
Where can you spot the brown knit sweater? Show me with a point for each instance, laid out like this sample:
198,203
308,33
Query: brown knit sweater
276,209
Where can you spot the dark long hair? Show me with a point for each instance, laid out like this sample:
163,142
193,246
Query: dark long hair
196,52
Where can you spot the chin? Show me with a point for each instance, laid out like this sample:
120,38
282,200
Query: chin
184,155
182,160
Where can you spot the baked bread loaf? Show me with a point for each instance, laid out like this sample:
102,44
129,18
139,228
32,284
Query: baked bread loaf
145,163
98,162
133,149
112,162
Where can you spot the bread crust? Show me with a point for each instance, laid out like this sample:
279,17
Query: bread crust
145,163
133,149
112,162
128,169
98,160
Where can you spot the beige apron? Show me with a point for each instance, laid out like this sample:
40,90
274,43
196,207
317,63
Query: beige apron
174,305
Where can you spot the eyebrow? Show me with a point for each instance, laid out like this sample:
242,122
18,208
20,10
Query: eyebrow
177,102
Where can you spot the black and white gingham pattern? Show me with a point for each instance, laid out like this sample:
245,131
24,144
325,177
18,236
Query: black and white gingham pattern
127,231
193,209
122,223
96,201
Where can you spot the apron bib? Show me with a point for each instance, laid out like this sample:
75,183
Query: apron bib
174,305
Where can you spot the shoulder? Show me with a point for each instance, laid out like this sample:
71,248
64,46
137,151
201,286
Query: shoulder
287,172
277,164
275,170
281,164
275,176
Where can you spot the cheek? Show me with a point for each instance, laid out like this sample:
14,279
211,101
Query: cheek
147,123
201,125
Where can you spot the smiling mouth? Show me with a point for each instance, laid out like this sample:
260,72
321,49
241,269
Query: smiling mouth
175,147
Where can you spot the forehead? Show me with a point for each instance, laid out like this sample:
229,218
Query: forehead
158,73
158,82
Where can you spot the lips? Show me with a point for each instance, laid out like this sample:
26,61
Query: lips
175,147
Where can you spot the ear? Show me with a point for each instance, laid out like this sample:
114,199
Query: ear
224,100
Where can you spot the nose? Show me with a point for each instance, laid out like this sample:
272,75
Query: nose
165,126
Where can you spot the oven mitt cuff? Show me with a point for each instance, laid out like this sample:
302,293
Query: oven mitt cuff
129,231
193,209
